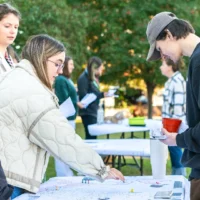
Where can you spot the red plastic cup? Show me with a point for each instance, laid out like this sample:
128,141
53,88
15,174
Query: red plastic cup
171,124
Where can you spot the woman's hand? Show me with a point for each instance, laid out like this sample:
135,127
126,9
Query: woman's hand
115,174
105,94
80,105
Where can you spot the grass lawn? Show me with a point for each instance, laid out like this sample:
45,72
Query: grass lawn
126,170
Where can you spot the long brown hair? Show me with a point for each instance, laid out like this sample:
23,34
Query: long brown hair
93,63
37,51
66,67
13,53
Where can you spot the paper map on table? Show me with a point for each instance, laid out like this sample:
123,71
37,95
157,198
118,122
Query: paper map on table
72,188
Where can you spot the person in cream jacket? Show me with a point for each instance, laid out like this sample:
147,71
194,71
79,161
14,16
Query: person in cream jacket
31,125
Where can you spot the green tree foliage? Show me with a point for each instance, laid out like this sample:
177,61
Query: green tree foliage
117,33
111,29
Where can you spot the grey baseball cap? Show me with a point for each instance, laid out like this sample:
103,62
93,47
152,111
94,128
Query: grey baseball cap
154,28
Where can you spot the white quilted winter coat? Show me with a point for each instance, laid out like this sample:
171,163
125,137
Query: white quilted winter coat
4,66
32,127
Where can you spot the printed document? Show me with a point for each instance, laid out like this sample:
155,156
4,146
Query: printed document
111,92
67,108
88,99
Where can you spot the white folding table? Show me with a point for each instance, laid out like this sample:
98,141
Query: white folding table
121,148
107,129
135,187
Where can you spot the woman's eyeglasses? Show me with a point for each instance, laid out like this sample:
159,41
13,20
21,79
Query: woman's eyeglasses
59,66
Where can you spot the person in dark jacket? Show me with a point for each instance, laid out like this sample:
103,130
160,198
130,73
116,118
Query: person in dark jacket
174,103
88,82
5,189
171,37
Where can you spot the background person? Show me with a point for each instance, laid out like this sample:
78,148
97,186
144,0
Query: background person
88,82
172,38
174,102
37,128
64,88
9,23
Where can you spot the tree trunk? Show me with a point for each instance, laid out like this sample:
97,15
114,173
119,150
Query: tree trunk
150,90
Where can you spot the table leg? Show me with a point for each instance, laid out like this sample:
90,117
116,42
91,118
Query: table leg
136,164
113,161
144,134
119,163
141,166
106,159
124,160
122,136
132,134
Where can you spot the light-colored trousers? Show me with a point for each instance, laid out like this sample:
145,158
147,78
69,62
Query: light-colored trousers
61,168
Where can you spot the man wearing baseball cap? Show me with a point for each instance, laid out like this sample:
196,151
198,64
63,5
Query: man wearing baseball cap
171,37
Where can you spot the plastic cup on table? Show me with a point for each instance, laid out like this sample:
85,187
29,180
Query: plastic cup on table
158,158
171,124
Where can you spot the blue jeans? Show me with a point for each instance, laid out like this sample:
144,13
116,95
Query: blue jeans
17,192
176,155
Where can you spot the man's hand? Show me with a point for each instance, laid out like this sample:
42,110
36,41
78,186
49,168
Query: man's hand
170,138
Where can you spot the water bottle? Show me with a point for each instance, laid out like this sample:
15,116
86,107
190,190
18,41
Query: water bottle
100,114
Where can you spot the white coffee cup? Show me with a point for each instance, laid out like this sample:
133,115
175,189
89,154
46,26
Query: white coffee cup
158,157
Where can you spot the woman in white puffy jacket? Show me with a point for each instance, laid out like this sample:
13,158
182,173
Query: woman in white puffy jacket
31,125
